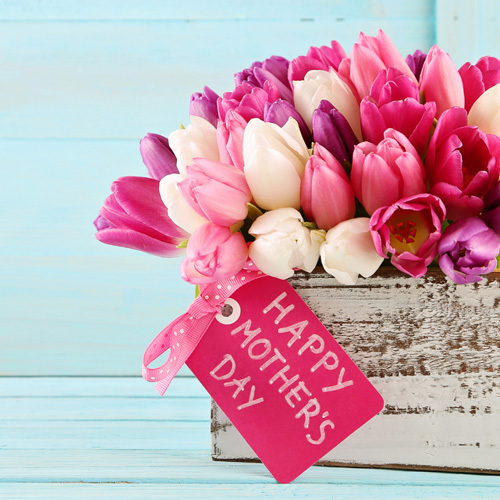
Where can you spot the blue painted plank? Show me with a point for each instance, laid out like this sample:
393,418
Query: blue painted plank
85,315
156,10
121,80
97,387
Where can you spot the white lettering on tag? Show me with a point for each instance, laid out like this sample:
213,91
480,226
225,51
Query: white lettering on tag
340,383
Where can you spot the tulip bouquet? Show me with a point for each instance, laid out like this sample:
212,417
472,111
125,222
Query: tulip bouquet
346,160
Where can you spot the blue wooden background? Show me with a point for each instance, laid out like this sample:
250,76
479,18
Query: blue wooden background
81,83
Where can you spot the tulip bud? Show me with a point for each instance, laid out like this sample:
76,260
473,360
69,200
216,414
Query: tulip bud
213,253
274,159
204,105
157,156
478,78
326,194
282,243
348,251
440,81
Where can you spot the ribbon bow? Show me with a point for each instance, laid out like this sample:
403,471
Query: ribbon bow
184,333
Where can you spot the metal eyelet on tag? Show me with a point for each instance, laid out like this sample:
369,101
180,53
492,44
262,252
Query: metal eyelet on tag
230,312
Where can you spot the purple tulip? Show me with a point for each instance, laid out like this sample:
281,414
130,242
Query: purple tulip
409,229
204,105
491,211
279,111
333,132
158,157
134,216
467,249
274,69
416,61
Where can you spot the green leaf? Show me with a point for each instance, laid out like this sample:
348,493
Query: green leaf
196,291
184,244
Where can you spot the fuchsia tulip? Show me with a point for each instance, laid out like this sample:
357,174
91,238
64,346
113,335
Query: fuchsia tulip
204,104
382,174
333,132
462,164
216,191
326,195
274,69
213,253
157,156
440,81
394,103
467,249
317,58
416,61
370,56
135,217
478,78
409,230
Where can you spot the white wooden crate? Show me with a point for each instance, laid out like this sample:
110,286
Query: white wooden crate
431,348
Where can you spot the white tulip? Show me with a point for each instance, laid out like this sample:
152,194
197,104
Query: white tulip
282,243
349,251
485,112
274,159
319,85
178,209
197,140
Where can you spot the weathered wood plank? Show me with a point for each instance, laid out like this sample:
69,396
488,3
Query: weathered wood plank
432,350
256,492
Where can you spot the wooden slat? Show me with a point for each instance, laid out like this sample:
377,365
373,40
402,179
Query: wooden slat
121,80
159,10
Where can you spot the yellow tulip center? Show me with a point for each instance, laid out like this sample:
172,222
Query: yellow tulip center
409,230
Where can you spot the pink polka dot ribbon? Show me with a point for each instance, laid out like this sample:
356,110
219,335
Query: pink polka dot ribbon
184,333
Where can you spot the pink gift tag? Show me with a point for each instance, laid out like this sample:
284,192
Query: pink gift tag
281,378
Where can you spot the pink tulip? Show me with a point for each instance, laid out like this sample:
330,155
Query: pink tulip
440,81
317,58
247,100
230,139
478,78
134,216
384,173
409,117
236,109
409,230
370,56
213,253
325,193
216,191
462,164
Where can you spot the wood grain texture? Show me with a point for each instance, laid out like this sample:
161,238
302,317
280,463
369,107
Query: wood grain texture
432,350
109,456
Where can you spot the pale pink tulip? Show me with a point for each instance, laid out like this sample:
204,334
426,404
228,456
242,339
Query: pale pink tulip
213,253
326,194
216,191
